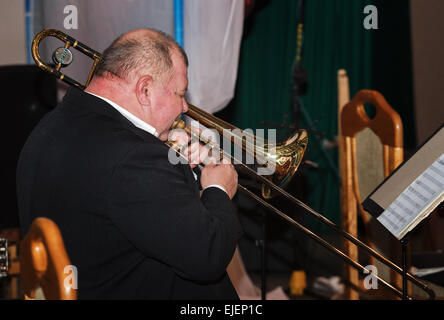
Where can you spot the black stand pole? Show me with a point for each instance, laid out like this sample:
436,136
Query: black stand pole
263,258
404,269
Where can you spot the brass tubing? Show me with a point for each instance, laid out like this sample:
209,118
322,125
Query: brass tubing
69,41
330,224
336,228
314,236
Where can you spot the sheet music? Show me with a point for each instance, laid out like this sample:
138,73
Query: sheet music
415,199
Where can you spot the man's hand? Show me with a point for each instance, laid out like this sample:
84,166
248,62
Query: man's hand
196,153
222,174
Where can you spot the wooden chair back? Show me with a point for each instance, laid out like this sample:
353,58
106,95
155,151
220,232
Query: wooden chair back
44,261
387,125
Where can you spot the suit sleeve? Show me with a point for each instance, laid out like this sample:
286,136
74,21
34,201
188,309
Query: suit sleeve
155,207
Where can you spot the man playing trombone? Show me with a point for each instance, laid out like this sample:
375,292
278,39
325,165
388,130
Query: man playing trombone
133,224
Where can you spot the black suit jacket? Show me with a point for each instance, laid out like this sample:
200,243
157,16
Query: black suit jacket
133,224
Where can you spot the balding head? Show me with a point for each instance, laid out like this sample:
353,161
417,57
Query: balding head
140,51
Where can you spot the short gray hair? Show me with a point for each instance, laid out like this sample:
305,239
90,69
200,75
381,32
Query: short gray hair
126,55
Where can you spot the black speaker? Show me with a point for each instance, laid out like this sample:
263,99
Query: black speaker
28,93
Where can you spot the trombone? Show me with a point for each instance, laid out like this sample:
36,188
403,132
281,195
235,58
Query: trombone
286,155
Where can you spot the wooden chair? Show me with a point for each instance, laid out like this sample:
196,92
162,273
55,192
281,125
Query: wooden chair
387,125
44,263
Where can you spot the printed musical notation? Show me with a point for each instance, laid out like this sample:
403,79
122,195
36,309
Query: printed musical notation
410,205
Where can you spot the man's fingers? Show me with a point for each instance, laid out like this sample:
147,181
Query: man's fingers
210,161
195,147
194,157
180,136
226,160
195,129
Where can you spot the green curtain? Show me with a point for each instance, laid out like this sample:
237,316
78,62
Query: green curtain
392,72
334,38
267,53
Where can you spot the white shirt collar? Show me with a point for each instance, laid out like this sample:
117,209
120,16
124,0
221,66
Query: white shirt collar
131,117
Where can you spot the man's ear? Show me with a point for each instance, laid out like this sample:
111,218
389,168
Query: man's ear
143,87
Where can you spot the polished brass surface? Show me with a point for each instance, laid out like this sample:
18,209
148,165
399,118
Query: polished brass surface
287,156
69,42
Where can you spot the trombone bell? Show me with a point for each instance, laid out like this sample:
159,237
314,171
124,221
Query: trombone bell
288,156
